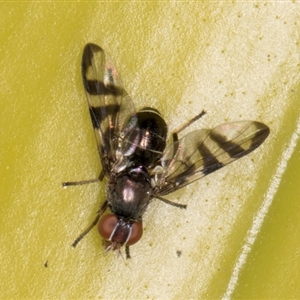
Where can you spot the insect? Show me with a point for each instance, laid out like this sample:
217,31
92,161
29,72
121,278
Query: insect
135,158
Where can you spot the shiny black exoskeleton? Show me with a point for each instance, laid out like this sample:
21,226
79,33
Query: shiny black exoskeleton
129,191
134,157
145,137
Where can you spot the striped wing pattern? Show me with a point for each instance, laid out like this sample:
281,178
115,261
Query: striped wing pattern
109,104
132,151
204,151
190,158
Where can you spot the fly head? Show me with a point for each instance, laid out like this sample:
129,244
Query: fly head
118,231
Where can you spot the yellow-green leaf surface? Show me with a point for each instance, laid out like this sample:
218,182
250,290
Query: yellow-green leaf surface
239,236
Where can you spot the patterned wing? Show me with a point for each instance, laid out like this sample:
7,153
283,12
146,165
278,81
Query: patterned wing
204,151
109,104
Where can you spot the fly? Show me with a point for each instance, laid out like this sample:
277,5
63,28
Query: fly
135,158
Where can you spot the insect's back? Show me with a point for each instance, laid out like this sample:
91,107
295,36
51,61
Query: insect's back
145,137
129,194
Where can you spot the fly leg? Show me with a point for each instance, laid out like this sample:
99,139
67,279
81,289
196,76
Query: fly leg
127,252
187,124
95,221
69,183
99,212
184,126
171,202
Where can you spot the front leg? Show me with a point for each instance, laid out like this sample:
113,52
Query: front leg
127,252
95,221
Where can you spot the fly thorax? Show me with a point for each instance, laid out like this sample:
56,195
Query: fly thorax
129,196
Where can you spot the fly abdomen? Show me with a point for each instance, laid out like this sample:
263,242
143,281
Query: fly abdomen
145,137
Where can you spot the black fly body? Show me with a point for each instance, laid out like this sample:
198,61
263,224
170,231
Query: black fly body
135,158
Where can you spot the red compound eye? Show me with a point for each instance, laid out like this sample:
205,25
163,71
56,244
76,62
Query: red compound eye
136,233
107,225
119,231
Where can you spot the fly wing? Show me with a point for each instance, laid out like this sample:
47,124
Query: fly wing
204,151
109,104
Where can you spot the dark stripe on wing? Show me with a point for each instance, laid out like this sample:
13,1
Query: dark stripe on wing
99,114
257,139
93,84
210,162
236,150
231,148
205,151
